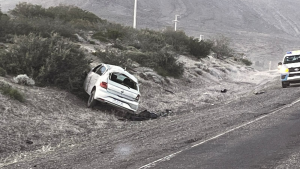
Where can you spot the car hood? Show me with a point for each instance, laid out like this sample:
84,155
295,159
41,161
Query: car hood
292,65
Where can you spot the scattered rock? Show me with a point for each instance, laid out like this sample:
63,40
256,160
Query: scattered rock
166,113
224,91
259,92
198,71
28,142
143,75
169,91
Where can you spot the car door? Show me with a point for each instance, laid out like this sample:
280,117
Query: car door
95,76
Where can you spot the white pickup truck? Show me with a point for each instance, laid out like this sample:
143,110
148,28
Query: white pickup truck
290,68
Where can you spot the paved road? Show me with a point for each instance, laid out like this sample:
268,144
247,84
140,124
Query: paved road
262,144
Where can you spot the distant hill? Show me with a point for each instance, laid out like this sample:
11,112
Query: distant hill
258,28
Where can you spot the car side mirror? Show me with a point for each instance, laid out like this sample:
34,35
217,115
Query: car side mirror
279,63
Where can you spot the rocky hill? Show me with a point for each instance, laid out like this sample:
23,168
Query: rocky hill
263,30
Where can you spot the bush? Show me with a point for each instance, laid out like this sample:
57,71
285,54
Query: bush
221,46
162,62
246,62
199,49
2,72
50,61
65,20
7,90
178,39
24,80
167,65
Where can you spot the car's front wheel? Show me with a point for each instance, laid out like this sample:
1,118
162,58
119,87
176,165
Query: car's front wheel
92,102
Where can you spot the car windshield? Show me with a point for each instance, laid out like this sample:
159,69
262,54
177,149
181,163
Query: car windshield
292,59
123,80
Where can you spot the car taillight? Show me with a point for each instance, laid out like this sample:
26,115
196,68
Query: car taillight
137,97
104,85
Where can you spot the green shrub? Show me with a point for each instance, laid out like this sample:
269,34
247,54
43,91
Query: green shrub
162,62
92,42
50,61
100,36
221,46
2,72
65,20
167,65
246,62
150,41
178,39
199,49
7,90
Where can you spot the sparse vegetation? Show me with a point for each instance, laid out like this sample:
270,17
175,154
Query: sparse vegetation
50,61
221,47
7,90
164,63
246,62
65,20
2,72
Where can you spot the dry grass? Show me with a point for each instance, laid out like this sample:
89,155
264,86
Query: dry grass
49,118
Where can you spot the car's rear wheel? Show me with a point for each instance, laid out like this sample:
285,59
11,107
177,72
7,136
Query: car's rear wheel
92,102
285,84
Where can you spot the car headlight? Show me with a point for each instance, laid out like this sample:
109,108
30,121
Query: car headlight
284,70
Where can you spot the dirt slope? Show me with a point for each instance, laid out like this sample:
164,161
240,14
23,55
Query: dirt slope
53,121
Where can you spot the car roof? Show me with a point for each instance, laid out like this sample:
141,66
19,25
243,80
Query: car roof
114,68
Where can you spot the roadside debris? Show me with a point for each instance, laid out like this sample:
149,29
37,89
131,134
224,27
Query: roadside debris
166,113
146,115
259,92
224,91
169,91
29,142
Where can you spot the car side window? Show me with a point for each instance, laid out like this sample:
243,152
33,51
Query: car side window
101,70
96,68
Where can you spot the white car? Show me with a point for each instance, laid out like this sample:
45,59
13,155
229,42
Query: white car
290,68
112,85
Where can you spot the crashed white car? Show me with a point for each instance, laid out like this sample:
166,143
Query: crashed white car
112,85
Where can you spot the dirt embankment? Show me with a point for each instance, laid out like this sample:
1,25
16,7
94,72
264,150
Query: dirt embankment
53,125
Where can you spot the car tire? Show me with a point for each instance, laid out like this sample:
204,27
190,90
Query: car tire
285,84
92,102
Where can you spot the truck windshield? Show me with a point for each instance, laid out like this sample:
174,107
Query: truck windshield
291,59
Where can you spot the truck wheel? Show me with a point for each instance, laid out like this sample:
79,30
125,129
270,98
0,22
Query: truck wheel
91,102
285,84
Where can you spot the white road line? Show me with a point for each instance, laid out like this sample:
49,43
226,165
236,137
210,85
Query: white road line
160,160
217,136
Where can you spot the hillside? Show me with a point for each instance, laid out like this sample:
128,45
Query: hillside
263,30
177,80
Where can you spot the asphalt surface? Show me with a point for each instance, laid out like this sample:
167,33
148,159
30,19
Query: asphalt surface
261,144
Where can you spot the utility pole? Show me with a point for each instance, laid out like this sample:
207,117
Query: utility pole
200,38
175,21
134,14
